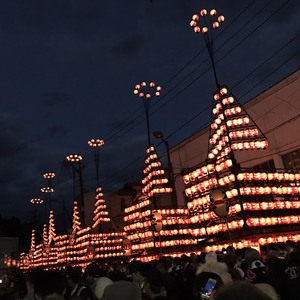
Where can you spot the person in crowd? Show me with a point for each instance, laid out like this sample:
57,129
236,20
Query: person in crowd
75,287
194,261
289,248
230,250
32,278
10,287
231,262
241,264
240,291
268,290
273,251
100,284
186,262
256,272
276,265
90,274
153,287
176,270
281,248
135,270
210,276
291,284
122,290
96,280
117,272
264,253
168,281
188,276
50,286
212,265
205,284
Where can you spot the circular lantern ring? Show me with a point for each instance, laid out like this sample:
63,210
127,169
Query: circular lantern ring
198,20
96,142
147,91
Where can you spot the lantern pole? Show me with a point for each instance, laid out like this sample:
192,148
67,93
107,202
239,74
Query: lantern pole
49,190
75,159
95,144
146,92
205,23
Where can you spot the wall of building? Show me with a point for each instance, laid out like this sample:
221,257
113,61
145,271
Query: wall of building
119,200
125,197
277,114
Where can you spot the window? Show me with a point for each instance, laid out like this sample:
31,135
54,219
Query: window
265,166
291,160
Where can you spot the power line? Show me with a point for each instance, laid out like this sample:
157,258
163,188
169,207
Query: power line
267,60
273,71
111,136
199,113
207,107
206,70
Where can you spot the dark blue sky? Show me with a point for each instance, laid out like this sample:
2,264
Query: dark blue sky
68,69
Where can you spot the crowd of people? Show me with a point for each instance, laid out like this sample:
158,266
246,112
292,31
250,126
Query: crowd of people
272,273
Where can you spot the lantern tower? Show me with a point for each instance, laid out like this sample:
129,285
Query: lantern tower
230,204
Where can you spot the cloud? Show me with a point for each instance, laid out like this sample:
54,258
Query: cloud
70,16
129,47
121,125
56,98
11,136
56,131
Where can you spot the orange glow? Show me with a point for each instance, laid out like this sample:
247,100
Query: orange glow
137,206
52,233
74,158
37,201
213,12
47,190
96,143
221,18
49,175
203,12
195,17
238,122
76,219
152,91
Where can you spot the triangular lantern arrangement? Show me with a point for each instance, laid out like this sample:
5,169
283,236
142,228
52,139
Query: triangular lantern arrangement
32,244
76,218
231,128
150,230
100,212
45,234
228,201
52,233
253,202
155,180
